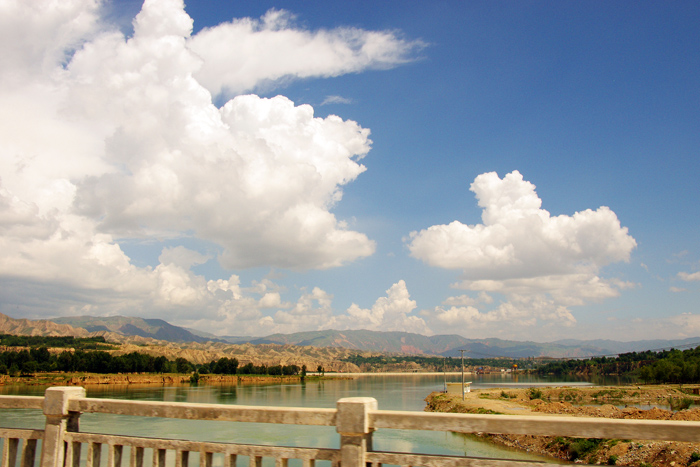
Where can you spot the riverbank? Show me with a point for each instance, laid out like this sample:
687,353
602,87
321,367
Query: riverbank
594,401
89,379
79,379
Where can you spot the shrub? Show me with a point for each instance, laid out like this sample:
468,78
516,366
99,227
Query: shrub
612,460
679,404
582,447
559,441
534,393
694,457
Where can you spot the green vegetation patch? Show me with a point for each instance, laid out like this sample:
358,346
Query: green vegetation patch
681,403
610,394
66,342
577,448
667,366
451,364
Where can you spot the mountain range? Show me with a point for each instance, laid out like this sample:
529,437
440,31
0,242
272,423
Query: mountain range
359,340
450,345
131,326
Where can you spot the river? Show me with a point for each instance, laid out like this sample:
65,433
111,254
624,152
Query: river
397,392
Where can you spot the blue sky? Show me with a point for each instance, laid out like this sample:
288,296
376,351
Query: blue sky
523,170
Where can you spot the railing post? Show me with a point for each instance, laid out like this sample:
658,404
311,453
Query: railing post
355,433
58,420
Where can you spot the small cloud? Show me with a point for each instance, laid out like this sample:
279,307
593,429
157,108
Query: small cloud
689,277
336,100
466,300
677,257
677,289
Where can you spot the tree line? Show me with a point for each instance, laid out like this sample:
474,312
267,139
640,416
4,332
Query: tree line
428,363
84,343
666,366
39,359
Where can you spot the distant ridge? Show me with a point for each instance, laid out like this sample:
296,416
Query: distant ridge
26,327
377,341
358,340
449,345
616,347
128,326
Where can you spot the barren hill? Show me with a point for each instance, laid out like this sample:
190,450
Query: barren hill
196,352
26,327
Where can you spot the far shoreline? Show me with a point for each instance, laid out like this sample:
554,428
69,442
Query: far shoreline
120,379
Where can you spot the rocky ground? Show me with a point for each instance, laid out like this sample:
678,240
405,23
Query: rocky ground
608,402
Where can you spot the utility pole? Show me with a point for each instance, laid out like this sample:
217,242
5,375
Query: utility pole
462,357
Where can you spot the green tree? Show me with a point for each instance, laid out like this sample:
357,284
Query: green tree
182,365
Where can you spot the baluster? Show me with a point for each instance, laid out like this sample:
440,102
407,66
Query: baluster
136,457
182,458
115,456
308,463
255,461
94,455
230,460
75,448
159,457
9,454
281,462
206,459
69,462
28,453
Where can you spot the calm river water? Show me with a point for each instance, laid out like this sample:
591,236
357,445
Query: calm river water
404,392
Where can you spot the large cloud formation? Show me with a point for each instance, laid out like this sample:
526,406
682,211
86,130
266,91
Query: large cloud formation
109,138
540,264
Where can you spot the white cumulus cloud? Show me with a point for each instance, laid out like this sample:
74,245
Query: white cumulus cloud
689,277
107,139
540,264
392,312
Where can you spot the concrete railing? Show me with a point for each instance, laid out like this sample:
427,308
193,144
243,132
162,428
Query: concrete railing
355,420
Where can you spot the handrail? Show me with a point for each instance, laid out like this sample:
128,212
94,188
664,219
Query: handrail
21,402
666,430
196,411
